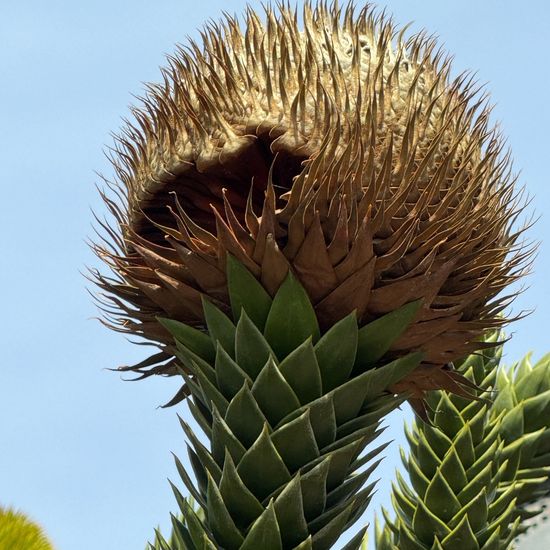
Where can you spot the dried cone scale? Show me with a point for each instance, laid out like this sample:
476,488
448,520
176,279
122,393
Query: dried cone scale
338,149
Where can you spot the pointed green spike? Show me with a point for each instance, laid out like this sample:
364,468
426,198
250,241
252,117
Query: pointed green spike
296,443
452,470
198,469
244,417
476,511
251,348
401,502
210,391
407,539
493,542
291,320
498,506
478,422
202,416
336,351
361,503
229,376
535,408
200,451
187,481
224,439
329,514
329,534
207,544
529,382
195,526
382,535
197,341
440,498
305,545
511,427
464,445
180,499
301,370
160,542
290,514
418,480
447,417
245,292
476,484
314,492
370,418
323,420
351,485
502,522
358,463
220,520
376,338
193,362
195,389
243,506
426,456
389,524
486,451
426,524
358,542
220,327
181,535
273,394
350,397
264,533
505,400
365,435
273,473
340,462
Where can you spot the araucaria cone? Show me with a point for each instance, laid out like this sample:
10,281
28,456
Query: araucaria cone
340,150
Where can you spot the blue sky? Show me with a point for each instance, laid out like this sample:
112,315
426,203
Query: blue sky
84,453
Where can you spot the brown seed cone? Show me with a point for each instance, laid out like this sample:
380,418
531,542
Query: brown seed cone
343,152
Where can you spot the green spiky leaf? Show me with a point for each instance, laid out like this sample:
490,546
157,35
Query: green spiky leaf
197,341
291,320
220,328
336,351
246,293
376,338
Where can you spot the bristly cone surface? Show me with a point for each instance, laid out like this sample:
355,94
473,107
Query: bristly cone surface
338,149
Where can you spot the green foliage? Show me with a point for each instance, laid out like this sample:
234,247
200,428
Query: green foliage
526,388
474,469
288,412
17,532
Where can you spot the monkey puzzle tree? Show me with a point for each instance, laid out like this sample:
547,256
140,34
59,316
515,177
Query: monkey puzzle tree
478,468
312,223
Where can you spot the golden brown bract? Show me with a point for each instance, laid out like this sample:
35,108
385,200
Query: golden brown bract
342,151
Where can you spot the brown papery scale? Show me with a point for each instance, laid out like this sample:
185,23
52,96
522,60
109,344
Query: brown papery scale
337,148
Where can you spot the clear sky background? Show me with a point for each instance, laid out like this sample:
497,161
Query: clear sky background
84,453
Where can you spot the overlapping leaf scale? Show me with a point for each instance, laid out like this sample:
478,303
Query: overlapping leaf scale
464,475
288,413
526,389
